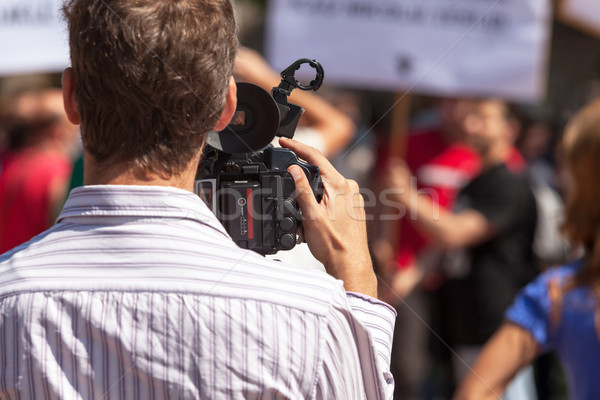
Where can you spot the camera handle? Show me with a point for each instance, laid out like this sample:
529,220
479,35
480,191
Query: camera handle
290,113
289,81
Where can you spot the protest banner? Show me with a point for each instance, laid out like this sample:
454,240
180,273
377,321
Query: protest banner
581,14
440,47
33,38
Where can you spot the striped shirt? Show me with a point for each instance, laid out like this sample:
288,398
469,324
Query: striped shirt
139,293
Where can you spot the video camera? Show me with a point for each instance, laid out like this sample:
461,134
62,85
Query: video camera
244,179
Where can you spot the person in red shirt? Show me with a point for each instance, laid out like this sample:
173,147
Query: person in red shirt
442,164
34,172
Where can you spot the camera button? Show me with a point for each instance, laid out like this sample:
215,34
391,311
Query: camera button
287,241
287,224
289,207
250,169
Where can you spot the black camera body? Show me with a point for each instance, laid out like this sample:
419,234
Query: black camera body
244,180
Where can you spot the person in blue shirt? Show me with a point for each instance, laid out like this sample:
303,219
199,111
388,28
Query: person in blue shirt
560,310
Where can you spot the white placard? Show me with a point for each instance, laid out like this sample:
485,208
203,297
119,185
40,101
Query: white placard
33,37
441,47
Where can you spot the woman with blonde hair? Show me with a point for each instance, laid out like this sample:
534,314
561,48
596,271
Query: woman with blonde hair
560,310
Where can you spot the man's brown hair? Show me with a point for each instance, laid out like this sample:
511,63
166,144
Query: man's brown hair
151,77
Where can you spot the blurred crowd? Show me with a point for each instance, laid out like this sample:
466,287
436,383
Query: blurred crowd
468,214
39,145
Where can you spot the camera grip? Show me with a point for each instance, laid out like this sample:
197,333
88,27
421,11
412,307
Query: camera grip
316,184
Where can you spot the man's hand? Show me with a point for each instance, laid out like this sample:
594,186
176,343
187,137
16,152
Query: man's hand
447,229
250,66
335,229
398,177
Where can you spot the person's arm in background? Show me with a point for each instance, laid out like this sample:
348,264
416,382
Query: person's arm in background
449,230
358,339
336,130
510,349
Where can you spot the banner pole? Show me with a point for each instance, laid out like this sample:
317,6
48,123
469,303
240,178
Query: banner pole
399,125
389,230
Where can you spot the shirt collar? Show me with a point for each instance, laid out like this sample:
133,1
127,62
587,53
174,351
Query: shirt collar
137,201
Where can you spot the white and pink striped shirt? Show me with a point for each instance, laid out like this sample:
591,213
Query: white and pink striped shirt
139,293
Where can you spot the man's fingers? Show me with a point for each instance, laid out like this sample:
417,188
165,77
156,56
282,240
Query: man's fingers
304,194
311,155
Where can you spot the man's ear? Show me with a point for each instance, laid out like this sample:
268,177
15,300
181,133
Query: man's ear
68,87
230,106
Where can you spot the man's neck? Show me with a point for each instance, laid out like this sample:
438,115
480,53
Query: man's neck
496,155
117,174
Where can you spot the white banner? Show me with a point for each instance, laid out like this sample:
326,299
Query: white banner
33,38
440,47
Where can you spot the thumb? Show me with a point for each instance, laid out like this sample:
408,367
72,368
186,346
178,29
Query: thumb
304,194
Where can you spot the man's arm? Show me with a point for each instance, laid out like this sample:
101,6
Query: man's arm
509,350
356,350
447,229
356,356
335,229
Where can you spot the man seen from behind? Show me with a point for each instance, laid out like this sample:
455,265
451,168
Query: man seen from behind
138,292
